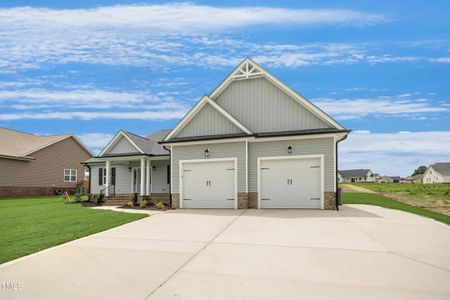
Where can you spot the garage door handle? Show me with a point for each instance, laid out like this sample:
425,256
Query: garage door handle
186,199
265,198
315,198
231,199
315,167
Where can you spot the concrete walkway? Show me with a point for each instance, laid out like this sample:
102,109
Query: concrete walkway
360,252
355,189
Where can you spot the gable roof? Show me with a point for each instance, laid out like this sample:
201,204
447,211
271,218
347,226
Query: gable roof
250,69
354,173
205,100
145,146
442,168
18,144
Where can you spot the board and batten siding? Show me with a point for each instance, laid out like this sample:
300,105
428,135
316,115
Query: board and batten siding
262,107
208,121
221,150
47,167
123,146
323,146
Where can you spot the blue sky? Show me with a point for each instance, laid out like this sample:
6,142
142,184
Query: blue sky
381,68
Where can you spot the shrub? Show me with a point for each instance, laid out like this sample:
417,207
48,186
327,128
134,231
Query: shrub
77,197
129,204
135,199
99,199
143,204
159,205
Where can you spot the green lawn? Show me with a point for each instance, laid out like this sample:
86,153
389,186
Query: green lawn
30,224
375,199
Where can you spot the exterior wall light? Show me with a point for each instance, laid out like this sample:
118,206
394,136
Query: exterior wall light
207,152
289,149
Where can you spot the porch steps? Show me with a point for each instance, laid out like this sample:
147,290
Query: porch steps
118,200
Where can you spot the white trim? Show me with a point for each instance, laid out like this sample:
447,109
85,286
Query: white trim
115,140
151,174
108,174
335,164
147,177
300,99
171,171
256,140
70,175
206,160
246,167
322,178
142,190
132,158
196,109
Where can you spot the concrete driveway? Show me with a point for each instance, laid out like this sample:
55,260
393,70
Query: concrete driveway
360,252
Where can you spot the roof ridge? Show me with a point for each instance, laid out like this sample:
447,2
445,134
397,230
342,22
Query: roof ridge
142,137
19,131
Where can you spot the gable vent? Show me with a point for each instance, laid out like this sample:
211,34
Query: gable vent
247,70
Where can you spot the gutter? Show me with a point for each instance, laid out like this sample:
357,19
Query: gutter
170,184
336,176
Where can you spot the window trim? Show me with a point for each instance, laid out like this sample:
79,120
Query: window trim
70,175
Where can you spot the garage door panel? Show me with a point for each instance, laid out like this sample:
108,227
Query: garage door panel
209,184
290,183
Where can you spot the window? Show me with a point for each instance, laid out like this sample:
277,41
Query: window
101,176
70,175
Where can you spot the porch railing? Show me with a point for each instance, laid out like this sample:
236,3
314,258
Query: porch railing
111,190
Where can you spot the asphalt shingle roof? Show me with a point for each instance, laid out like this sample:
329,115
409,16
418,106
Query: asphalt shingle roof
353,173
442,167
20,144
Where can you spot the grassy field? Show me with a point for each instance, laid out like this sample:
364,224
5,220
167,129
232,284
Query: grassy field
31,224
376,199
431,196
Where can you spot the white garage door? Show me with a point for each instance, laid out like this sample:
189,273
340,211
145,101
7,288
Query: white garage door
209,184
290,183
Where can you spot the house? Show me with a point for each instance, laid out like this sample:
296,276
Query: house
356,175
417,179
252,143
437,173
40,165
131,164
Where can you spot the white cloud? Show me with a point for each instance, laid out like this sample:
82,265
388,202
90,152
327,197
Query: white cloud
180,17
441,60
394,153
401,105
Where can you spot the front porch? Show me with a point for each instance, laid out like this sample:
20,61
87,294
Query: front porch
121,178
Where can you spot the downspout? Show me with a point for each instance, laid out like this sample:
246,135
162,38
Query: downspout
170,184
89,168
336,155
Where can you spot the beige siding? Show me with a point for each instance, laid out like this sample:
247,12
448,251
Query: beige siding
225,150
323,146
262,107
208,121
123,146
47,169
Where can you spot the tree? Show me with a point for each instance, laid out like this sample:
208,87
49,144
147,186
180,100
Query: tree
419,170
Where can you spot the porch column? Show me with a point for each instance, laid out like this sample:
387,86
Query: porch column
147,178
142,176
107,170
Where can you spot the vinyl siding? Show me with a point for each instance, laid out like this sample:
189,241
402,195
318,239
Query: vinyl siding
208,121
159,176
123,176
123,146
262,107
323,146
222,150
47,169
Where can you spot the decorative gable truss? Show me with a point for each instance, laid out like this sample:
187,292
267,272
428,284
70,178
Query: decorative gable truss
249,69
230,124
121,143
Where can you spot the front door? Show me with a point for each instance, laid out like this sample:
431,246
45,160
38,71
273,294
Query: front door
136,180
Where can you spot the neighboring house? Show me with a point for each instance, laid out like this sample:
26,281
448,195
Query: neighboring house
437,173
40,165
356,175
417,178
254,143
131,164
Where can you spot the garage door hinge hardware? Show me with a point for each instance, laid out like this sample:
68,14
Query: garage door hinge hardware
315,198
265,198
315,167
